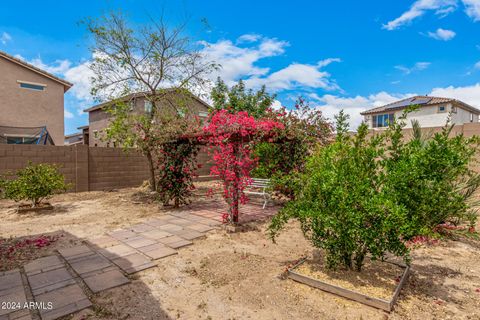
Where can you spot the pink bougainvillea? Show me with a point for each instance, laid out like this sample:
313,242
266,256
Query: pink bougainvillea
231,136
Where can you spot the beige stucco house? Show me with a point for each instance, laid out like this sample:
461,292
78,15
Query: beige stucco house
173,100
31,103
431,112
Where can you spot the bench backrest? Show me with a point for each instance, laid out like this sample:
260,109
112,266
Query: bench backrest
259,183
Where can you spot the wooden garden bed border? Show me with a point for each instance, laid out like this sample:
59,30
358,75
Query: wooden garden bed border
350,294
46,206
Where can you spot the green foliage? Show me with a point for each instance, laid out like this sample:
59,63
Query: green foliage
177,165
282,162
238,98
366,195
430,175
34,183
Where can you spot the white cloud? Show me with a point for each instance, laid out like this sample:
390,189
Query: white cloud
239,62
296,75
67,114
477,65
419,66
249,37
469,94
277,105
330,105
419,8
472,9
442,34
80,76
58,67
5,37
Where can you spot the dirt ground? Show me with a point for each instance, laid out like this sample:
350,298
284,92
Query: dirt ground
236,276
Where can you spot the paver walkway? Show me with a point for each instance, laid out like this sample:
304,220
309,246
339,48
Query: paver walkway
54,288
56,283
12,296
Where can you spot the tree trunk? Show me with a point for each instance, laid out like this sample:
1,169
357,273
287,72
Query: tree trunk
151,167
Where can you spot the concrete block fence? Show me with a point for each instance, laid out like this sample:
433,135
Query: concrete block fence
86,168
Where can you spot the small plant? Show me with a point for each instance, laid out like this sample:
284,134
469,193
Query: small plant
34,183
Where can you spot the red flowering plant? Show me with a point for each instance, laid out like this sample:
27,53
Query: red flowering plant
176,153
232,137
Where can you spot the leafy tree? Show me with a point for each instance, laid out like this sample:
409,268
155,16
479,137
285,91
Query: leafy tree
149,61
238,98
34,183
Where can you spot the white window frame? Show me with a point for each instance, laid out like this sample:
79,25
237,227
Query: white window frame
442,106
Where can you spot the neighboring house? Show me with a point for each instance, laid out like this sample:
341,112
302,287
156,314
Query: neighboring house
431,112
77,137
99,118
31,103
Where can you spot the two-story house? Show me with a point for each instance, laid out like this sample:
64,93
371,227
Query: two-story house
172,99
31,103
431,112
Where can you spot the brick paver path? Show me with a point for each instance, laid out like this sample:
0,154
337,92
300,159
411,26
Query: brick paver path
54,288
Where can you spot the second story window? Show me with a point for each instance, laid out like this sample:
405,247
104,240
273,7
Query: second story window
442,109
382,120
32,86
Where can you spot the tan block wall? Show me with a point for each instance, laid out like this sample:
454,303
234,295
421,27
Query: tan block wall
86,168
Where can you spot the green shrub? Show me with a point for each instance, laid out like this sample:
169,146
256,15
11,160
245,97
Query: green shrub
34,183
341,206
366,195
431,176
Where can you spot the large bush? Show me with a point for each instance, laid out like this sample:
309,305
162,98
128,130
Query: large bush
366,195
34,183
431,176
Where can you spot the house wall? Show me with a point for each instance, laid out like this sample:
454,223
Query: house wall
99,120
87,168
21,107
430,117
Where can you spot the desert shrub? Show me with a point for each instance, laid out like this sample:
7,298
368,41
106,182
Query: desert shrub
341,205
366,195
34,183
431,176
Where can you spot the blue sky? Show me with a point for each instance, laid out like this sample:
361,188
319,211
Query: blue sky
338,54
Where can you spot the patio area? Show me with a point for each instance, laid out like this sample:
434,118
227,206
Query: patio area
61,283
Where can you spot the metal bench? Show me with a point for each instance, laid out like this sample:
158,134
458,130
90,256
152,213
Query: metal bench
259,187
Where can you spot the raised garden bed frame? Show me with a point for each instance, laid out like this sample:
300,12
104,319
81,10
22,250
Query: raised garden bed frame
386,305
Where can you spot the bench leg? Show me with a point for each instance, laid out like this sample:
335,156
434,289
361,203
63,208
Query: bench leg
265,198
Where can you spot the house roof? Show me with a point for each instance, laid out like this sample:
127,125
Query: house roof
76,134
141,94
67,85
420,101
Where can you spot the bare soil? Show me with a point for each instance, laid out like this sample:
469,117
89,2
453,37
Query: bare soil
237,276
377,279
